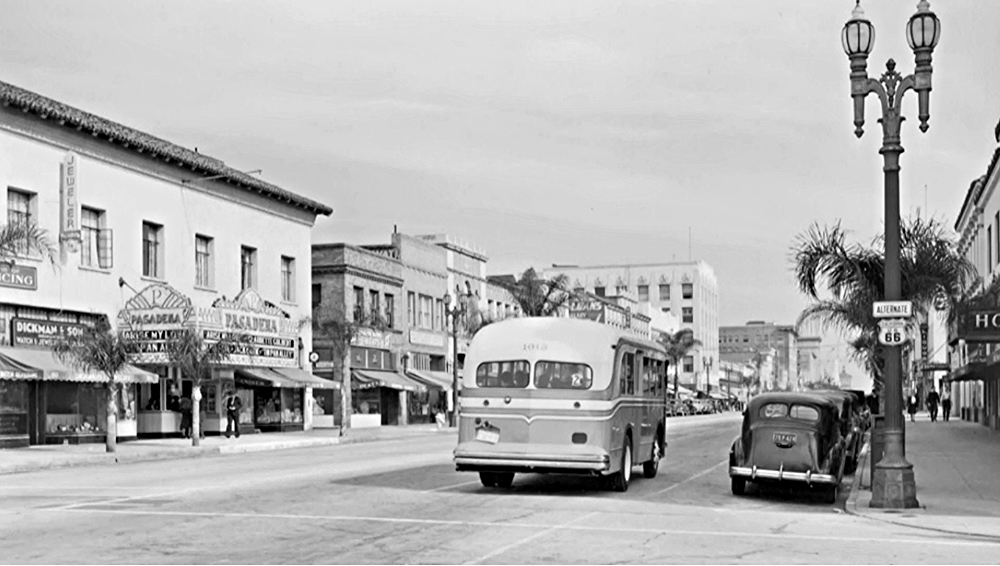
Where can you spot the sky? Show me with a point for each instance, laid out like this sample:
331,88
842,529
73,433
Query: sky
564,131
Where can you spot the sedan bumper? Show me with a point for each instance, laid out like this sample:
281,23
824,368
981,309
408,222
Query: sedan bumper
755,473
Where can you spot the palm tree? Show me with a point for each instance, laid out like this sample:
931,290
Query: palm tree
678,345
538,296
932,274
18,238
99,350
195,356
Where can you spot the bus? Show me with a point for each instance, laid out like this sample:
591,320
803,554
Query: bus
562,396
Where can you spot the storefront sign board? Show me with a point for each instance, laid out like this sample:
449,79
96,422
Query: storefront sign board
370,338
43,333
13,424
69,197
422,338
18,277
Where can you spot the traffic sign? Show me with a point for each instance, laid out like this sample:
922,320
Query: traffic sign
892,332
892,309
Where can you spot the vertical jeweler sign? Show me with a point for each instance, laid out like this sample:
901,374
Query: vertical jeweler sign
69,205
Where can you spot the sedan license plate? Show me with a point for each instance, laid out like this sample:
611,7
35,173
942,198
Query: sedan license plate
784,439
489,435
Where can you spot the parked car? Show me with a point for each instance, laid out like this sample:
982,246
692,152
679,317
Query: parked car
790,438
849,408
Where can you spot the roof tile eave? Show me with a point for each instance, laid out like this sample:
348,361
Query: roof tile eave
28,101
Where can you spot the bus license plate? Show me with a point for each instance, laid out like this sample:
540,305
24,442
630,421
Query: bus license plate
490,435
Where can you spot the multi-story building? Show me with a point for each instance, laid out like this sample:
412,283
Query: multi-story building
152,237
741,344
364,286
618,311
736,379
975,339
685,289
809,355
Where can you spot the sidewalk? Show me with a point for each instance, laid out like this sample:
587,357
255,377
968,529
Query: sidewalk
60,455
955,466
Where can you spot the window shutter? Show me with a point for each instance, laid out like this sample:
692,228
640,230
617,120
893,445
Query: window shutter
105,246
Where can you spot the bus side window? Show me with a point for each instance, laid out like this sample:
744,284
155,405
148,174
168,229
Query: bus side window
628,374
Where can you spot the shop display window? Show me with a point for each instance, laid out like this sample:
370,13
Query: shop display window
247,410
75,408
323,403
13,407
366,401
417,402
291,405
150,396
210,398
267,409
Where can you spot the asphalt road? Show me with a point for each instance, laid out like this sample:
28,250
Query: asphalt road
402,502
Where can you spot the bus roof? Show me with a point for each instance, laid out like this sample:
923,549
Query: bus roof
519,331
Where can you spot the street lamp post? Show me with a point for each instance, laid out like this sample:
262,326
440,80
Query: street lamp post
454,312
893,485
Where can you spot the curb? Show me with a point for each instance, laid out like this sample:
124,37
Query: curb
851,506
199,452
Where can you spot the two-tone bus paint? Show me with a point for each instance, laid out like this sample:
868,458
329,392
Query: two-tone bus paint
561,395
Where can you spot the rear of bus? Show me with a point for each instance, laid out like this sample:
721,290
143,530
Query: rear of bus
537,397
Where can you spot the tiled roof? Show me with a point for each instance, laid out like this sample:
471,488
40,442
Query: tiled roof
140,142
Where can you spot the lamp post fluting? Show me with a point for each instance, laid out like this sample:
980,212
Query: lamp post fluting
893,485
454,312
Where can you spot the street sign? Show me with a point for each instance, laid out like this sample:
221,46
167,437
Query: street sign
892,332
892,309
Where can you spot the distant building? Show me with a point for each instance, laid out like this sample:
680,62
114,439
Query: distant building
688,290
809,358
741,344
845,380
619,312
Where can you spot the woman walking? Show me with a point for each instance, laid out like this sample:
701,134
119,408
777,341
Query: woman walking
911,406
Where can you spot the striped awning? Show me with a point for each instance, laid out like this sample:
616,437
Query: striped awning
434,379
30,363
365,379
306,379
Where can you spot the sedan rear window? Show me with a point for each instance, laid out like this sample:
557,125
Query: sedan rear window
560,375
503,374
774,411
804,413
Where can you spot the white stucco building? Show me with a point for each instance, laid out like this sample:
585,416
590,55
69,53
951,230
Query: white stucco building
687,290
152,236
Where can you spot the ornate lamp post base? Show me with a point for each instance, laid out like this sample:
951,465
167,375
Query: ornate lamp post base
894,488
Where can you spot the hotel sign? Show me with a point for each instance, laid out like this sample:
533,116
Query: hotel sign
19,277
980,325
43,333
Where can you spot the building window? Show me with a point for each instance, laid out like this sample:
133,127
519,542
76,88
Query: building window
426,306
643,293
688,364
989,249
599,291
317,294
373,304
621,289
20,211
688,314
665,309
687,290
288,279
439,314
359,304
996,231
390,310
411,308
203,266
579,290
152,250
248,267
95,250
664,291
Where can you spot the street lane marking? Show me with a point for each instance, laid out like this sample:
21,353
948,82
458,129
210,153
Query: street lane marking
447,487
528,539
922,538
694,477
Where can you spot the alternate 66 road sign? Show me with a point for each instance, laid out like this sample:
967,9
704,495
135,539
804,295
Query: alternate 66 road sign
892,332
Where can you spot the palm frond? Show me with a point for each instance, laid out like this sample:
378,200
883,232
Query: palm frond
18,238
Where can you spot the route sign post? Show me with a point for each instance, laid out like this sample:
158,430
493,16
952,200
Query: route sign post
892,309
892,332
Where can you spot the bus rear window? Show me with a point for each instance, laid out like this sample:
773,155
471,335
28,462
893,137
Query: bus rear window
560,375
503,374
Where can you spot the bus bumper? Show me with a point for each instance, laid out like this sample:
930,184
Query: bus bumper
472,461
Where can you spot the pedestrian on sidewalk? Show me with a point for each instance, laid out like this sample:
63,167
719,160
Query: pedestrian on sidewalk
187,422
932,404
945,402
233,406
911,406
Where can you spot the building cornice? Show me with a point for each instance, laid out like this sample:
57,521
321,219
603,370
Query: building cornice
342,269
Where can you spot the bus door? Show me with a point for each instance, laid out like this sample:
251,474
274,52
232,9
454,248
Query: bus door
629,412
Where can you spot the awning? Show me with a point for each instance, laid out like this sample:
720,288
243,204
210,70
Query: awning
262,377
372,378
975,371
684,391
306,379
436,379
48,367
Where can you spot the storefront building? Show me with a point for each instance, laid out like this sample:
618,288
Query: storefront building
137,220
362,285
975,336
